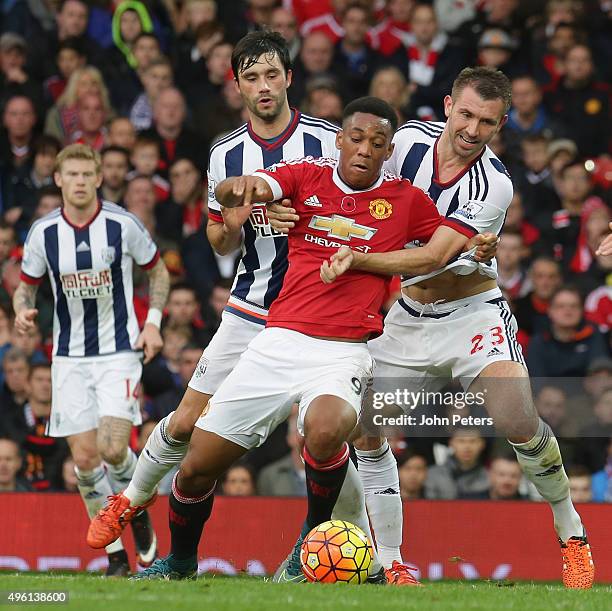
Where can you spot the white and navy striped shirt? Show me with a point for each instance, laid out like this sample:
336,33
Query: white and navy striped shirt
90,269
263,263
476,199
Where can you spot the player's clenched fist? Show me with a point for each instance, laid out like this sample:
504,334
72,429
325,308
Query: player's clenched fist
486,246
338,263
24,320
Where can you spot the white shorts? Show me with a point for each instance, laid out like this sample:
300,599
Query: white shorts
280,368
222,353
425,345
84,390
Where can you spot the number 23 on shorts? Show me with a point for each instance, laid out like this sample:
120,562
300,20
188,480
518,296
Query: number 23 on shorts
494,335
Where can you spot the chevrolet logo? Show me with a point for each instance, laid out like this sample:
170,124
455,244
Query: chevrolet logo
341,228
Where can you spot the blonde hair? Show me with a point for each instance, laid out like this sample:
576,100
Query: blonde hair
69,97
78,151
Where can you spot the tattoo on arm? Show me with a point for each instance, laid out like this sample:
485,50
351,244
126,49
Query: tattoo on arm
24,297
159,285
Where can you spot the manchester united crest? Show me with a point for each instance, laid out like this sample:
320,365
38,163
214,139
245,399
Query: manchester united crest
380,209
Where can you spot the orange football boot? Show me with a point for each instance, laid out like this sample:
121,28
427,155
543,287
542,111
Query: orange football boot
578,567
400,575
108,524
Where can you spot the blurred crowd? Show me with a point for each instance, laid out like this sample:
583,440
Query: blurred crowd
148,83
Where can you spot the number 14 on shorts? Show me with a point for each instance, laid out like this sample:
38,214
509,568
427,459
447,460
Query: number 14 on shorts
493,337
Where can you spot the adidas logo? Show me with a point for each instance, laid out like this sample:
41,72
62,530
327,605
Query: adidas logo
83,247
94,494
494,352
388,491
313,200
550,471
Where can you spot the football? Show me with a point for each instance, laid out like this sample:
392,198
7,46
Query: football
336,551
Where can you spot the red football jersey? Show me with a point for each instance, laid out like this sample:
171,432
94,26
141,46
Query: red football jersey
385,217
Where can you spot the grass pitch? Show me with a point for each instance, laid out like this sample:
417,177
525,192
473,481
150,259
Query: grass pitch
250,594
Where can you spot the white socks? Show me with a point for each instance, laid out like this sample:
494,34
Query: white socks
121,474
160,454
350,506
378,472
541,462
94,486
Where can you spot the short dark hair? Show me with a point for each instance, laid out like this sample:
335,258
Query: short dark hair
63,3
73,43
147,35
207,29
572,163
146,140
489,84
255,44
114,148
536,138
48,190
36,366
373,106
356,4
568,288
46,144
182,286
578,471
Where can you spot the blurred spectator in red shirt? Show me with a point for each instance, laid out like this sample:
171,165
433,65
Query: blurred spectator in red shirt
70,56
431,63
390,34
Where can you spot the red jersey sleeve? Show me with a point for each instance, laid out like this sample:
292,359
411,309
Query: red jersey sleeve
285,177
424,217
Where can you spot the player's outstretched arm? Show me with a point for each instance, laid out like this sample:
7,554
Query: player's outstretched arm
243,191
24,305
444,244
150,339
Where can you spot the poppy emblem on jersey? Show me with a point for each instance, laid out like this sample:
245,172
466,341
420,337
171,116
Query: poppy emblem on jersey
341,228
108,255
381,209
348,204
